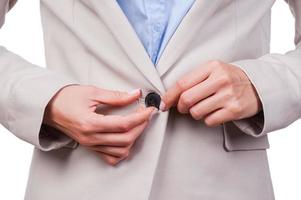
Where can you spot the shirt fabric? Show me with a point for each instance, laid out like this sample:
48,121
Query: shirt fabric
155,21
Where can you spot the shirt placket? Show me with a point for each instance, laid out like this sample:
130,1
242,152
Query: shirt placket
156,10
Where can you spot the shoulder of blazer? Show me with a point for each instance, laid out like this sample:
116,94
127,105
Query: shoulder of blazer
11,4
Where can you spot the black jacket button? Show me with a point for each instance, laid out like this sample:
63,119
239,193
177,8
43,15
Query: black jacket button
153,99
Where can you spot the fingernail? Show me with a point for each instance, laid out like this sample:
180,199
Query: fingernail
155,111
136,91
162,106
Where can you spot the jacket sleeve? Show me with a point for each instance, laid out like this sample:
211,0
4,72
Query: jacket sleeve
25,90
277,80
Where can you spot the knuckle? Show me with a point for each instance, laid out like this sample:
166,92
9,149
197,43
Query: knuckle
125,126
117,94
186,100
123,99
181,109
209,122
224,79
236,107
125,153
85,141
231,92
181,84
194,114
84,126
128,140
120,96
216,63
227,96
112,162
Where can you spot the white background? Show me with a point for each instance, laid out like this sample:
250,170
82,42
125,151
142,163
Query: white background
22,34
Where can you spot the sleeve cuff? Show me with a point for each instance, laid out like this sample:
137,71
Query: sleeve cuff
252,126
274,98
28,100
51,138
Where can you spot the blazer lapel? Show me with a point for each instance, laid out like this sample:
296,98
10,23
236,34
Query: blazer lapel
186,31
116,21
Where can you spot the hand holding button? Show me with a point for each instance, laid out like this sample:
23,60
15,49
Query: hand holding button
72,111
216,92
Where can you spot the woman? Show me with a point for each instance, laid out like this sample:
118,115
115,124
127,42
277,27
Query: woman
194,123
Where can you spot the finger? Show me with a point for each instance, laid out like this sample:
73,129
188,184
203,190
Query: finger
195,94
113,151
207,106
116,98
111,160
218,117
140,108
172,95
115,139
120,123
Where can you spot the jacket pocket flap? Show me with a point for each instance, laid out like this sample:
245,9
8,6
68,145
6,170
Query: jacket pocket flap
237,140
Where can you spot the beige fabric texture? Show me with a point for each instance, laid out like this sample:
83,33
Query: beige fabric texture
91,42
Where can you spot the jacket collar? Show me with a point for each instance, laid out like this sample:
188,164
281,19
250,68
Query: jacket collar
121,29
186,31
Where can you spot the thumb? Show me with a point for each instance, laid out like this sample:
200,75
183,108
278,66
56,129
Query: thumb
117,98
171,97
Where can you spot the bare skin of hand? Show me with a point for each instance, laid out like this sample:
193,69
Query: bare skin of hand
72,111
215,92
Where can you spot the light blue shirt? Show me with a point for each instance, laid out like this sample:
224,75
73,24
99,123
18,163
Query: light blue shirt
155,21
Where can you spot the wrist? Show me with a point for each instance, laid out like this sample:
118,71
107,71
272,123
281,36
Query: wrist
48,117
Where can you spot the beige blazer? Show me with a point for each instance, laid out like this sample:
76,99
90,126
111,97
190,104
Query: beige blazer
91,42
